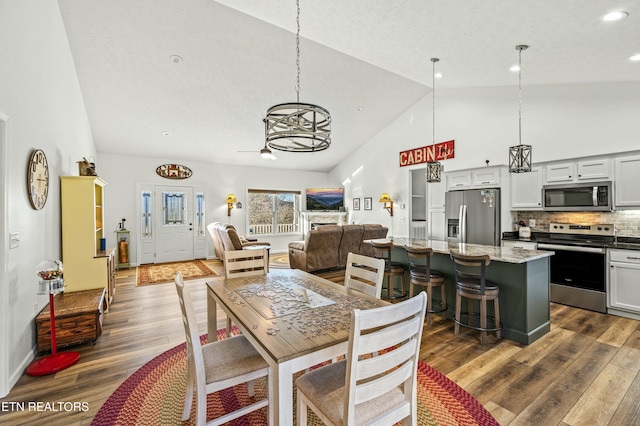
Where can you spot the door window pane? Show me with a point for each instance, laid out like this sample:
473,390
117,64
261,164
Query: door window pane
145,209
174,208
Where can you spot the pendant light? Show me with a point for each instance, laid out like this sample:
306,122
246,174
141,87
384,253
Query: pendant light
434,168
520,155
296,126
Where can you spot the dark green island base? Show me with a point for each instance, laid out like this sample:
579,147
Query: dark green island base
522,275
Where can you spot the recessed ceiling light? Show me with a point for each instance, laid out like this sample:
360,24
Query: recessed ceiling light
438,75
166,133
359,108
615,16
514,68
635,57
175,59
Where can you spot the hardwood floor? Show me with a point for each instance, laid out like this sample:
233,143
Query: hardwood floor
584,372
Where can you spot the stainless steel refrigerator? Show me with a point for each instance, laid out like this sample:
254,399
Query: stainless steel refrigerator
473,216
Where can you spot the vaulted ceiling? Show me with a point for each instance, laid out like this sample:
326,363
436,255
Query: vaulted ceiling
192,79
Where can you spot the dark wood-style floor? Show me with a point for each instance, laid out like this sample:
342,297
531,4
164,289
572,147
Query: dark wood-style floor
584,372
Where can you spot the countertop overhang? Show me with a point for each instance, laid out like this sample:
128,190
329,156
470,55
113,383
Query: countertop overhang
495,253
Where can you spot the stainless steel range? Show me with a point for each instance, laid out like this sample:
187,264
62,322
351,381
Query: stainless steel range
578,268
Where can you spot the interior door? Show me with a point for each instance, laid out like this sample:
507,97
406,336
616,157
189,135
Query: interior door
174,207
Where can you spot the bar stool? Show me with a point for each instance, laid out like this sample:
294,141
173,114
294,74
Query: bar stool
469,273
420,273
382,250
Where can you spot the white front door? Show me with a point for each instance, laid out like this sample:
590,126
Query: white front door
174,223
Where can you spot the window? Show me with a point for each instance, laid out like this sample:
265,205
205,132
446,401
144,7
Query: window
145,209
200,213
273,212
174,208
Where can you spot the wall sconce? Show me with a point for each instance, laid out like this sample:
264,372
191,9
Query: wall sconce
385,198
231,198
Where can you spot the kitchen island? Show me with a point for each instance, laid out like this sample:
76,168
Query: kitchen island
522,275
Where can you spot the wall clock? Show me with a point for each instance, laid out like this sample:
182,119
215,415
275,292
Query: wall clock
38,179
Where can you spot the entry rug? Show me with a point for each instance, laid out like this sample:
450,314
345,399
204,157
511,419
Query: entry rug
165,272
154,395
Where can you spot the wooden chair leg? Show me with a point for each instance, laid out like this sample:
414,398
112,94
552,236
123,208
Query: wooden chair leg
410,288
188,398
301,415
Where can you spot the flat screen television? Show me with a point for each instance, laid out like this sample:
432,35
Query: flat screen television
325,199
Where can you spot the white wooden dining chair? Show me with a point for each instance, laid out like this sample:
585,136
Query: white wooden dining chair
364,274
217,365
377,390
243,263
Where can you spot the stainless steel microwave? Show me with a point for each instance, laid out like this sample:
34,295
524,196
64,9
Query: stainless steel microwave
591,196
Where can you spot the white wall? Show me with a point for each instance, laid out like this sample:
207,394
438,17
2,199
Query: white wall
40,95
560,121
122,173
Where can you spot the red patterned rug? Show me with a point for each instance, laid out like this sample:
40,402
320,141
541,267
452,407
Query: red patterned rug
154,395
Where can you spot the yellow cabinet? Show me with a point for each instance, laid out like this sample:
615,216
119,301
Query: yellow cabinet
86,267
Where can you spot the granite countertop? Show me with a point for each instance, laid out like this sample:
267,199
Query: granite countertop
496,253
623,243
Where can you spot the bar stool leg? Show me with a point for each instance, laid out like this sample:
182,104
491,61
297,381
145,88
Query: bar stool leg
496,315
483,320
456,328
429,302
443,301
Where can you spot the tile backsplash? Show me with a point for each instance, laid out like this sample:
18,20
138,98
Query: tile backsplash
627,221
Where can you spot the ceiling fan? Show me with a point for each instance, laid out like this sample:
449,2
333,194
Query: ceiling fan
264,153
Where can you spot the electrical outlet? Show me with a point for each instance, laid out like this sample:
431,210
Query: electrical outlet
532,223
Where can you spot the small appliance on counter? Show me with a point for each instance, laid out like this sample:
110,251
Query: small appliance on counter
524,232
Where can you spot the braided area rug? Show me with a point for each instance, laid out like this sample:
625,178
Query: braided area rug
154,395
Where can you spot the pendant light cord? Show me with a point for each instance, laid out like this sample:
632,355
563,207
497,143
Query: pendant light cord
520,94
298,51
433,85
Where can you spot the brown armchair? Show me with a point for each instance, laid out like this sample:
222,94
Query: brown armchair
350,242
318,251
371,232
226,237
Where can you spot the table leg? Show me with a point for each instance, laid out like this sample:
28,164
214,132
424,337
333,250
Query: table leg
212,316
282,398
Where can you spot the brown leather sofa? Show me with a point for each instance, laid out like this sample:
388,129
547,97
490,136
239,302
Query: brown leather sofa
327,246
226,237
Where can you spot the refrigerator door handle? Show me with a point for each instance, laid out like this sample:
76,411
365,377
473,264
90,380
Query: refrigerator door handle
463,223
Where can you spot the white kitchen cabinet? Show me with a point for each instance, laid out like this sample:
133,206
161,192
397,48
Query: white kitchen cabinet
486,177
578,171
526,190
436,225
593,170
458,180
435,193
557,173
627,190
525,245
489,176
623,285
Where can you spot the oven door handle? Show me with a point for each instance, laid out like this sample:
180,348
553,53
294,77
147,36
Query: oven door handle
571,248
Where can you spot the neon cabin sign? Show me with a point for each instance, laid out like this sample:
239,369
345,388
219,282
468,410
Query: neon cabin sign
438,152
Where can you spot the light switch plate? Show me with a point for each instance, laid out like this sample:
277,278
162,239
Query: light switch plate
532,223
14,240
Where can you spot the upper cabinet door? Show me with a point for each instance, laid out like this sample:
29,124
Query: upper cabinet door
486,177
557,173
597,169
526,190
627,190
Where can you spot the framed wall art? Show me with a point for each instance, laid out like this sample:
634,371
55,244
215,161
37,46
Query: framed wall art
367,203
356,203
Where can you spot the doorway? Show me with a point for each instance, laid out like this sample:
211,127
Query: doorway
172,224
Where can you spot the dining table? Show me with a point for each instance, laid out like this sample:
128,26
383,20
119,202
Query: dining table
294,319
